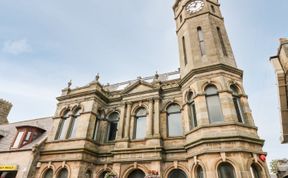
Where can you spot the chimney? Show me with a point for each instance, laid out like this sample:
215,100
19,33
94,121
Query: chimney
5,108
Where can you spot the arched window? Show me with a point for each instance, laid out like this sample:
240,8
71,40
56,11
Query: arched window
113,123
184,50
103,174
174,121
48,173
256,171
226,170
222,42
199,172
177,173
63,173
96,128
88,174
63,126
137,174
201,41
213,104
73,124
237,104
192,111
140,124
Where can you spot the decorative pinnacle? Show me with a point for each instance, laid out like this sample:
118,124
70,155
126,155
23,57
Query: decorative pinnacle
69,84
156,75
97,77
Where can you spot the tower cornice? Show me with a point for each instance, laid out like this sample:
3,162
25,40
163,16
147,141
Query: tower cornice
210,68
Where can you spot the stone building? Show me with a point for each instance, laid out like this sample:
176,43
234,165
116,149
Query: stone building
280,63
195,122
20,144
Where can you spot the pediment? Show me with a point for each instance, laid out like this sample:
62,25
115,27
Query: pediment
138,87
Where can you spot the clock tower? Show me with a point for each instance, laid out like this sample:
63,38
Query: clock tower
202,37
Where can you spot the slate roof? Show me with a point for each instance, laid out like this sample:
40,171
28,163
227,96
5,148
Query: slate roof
8,133
162,78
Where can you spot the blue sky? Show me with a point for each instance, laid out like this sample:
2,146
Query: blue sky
44,44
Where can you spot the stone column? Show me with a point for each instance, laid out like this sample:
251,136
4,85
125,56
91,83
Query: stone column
201,110
150,120
227,107
127,121
187,118
157,117
120,132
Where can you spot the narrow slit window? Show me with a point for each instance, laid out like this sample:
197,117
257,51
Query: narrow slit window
222,42
201,41
184,50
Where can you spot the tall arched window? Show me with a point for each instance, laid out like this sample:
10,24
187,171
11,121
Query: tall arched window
73,124
199,172
63,173
174,121
48,173
113,120
88,174
213,104
256,171
137,174
63,126
96,128
226,170
177,173
201,41
237,104
192,111
222,42
140,124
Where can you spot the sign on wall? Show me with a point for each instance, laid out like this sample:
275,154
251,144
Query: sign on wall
8,167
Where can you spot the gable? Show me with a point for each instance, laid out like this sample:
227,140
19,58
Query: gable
138,87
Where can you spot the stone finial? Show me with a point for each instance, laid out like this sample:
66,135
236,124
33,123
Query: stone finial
5,108
69,84
156,76
97,77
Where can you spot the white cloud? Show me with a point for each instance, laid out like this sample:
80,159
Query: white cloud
17,47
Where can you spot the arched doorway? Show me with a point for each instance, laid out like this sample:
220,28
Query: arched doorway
177,173
137,174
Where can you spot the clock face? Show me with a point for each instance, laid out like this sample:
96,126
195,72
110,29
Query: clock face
195,6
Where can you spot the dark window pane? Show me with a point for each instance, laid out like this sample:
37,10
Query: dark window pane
137,174
184,50
63,173
226,170
177,173
193,117
113,124
112,131
255,171
48,174
200,172
88,174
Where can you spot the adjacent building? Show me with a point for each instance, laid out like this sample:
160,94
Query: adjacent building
20,144
280,63
195,122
